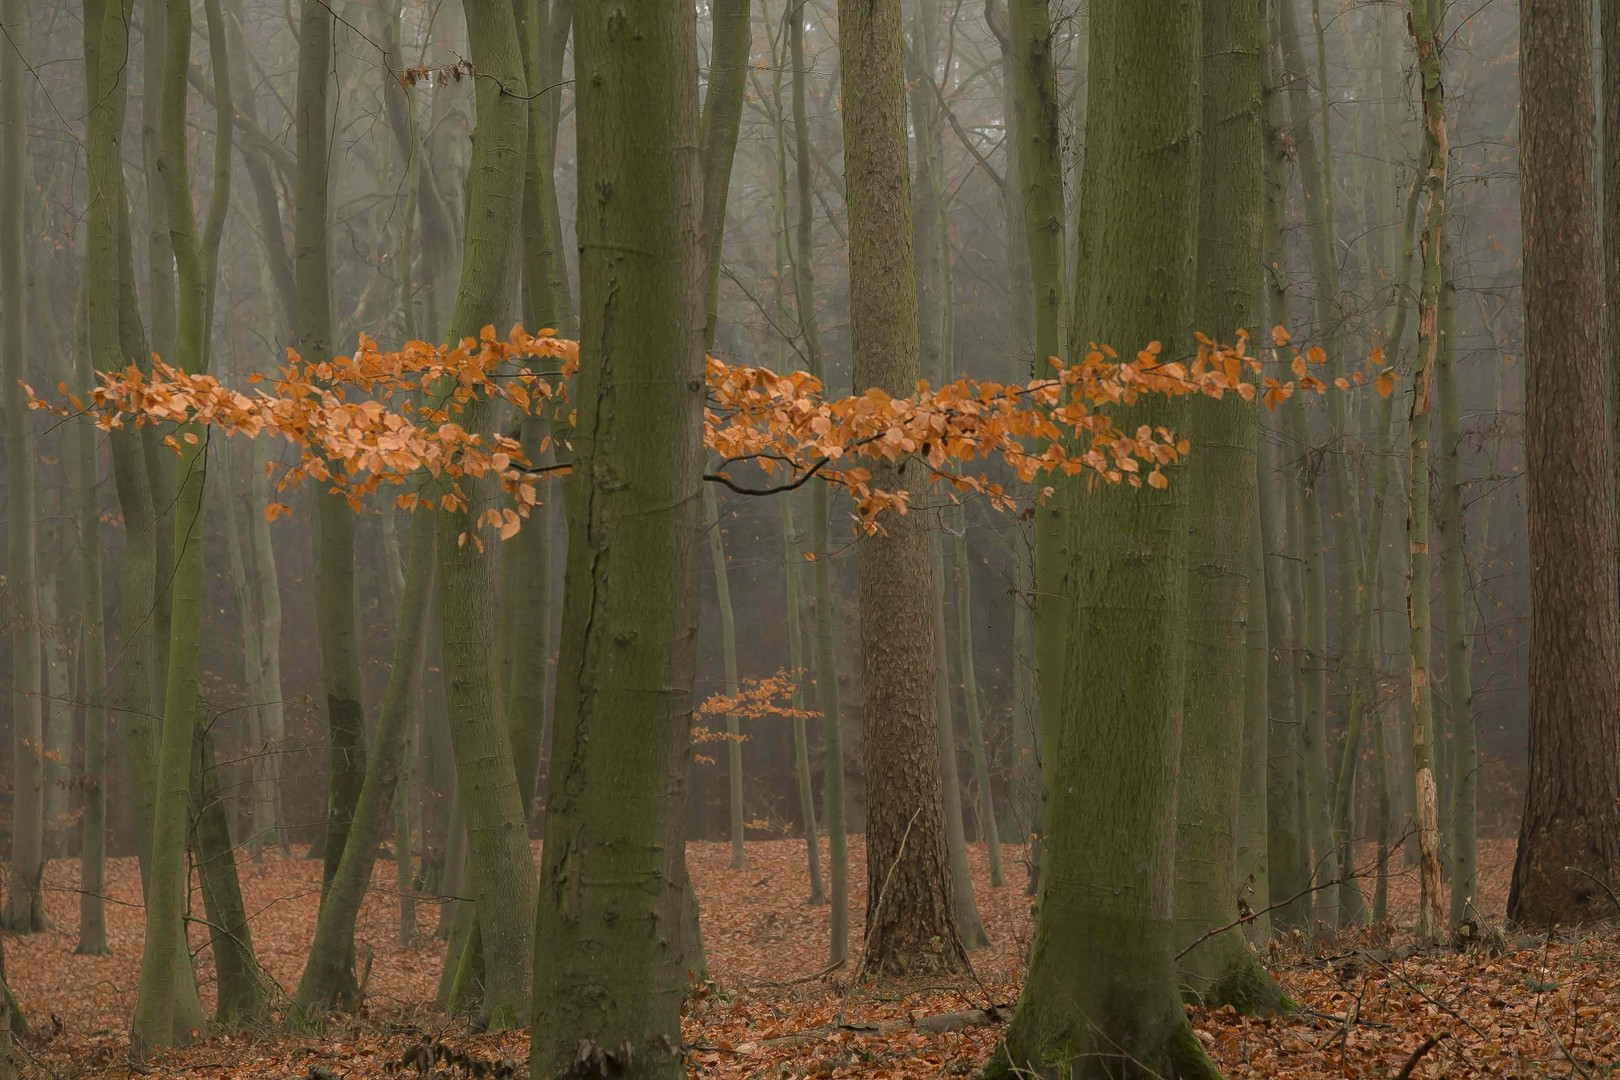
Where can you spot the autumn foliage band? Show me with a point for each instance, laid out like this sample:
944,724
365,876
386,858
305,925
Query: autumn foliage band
391,417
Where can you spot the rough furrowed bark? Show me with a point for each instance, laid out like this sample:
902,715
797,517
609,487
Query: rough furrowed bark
321,988
1222,525
1100,998
500,864
910,915
612,962
1572,796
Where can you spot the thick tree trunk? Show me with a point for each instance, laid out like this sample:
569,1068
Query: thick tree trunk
1572,798
608,1001
1101,999
910,906
1222,525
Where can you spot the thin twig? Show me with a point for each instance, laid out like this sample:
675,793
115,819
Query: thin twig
1417,1055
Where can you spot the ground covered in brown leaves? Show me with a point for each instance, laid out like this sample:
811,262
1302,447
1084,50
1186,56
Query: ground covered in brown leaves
1508,1006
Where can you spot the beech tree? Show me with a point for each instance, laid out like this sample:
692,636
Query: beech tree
614,858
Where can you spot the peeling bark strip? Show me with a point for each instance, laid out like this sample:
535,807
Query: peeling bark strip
1572,798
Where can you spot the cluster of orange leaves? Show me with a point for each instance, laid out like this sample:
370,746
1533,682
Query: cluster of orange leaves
755,699
379,416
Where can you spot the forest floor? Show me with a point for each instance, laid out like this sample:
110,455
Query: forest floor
1510,1006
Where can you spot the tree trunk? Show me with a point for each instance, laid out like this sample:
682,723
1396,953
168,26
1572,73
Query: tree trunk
241,993
166,1007
25,906
1572,798
1101,999
500,864
1222,524
322,987
801,749
832,784
968,923
1454,595
607,1001
1427,30
988,831
1253,838
728,648
334,557
910,918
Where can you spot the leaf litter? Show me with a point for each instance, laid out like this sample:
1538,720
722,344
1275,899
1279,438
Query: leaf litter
1372,1004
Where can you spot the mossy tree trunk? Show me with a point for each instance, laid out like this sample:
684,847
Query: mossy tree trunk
25,905
166,1007
322,987
1101,998
1222,969
611,964
500,864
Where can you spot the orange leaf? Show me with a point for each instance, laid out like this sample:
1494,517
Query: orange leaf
275,510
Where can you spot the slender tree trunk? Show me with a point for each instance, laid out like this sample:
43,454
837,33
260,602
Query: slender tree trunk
25,905
614,855
241,993
322,987
166,1007
334,557
803,255
1222,526
1453,574
160,291
728,648
970,702
968,923
1427,30
801,748
910,914
500,864
1253,838
1572,798
1101,999
103,36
